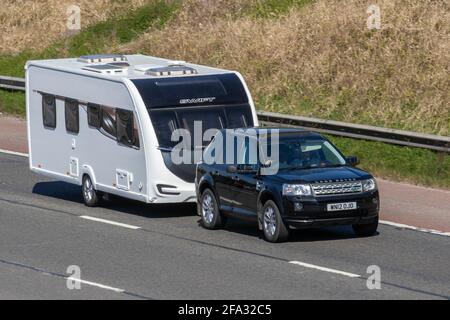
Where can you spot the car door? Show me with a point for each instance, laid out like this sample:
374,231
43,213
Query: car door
244,186
223,181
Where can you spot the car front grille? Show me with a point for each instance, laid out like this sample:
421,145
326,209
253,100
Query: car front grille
322,189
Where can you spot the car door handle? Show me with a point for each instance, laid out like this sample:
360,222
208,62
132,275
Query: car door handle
235,178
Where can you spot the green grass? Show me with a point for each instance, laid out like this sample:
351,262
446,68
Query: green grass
12,103
99,37
398,163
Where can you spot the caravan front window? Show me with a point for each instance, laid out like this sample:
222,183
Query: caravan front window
126,131
208,118
165,121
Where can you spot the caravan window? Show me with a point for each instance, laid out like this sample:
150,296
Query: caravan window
93,112
109,120
49,111
126,133
72,116
164,123
210,118
239,117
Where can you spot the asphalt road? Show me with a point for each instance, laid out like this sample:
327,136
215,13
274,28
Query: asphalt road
161,252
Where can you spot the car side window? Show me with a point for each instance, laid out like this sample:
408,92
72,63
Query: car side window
49,111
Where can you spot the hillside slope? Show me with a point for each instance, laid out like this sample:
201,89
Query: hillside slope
26,24
321,60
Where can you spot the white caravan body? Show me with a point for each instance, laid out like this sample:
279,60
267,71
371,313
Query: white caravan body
111,117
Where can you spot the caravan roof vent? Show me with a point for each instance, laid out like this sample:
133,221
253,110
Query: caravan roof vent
171,70
102,58
108,69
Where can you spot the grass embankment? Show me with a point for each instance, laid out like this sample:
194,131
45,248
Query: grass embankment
100,37
314,58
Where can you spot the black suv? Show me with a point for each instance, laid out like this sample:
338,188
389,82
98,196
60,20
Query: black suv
315,185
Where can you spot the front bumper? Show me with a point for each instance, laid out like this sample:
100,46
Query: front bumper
314,210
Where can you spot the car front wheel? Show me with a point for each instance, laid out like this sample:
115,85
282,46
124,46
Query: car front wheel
209,210
273,226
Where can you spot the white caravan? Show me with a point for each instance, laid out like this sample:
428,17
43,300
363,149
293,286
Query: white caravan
105,121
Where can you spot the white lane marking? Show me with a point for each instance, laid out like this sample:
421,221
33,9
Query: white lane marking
313,266
94,284
391,223
14,153
124,225
405,226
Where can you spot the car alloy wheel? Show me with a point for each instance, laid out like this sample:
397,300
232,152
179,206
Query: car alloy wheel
270,222
273,226
208,208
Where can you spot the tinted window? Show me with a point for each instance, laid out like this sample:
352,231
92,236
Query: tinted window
210,118
93,112
72,116
308,153
125,127
109,120
164,123
49,111
239,117
184,91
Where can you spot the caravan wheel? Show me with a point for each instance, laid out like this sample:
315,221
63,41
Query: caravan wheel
90,195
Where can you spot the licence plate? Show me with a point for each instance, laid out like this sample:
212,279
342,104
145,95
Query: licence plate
341,206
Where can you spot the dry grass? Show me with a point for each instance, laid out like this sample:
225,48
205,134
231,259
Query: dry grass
29,24
321,60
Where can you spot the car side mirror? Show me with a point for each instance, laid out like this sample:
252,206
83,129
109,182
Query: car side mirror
231,169
353,161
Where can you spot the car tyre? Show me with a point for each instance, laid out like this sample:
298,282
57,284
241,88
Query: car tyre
366,230
273,226
209,211
91,196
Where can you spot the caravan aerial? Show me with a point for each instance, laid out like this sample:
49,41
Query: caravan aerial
105,121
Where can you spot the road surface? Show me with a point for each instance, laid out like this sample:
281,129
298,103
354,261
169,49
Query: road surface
129,250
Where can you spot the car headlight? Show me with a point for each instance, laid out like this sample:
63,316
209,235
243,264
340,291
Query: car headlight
369,185
296,190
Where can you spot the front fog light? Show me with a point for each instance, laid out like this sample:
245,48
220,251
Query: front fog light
298,206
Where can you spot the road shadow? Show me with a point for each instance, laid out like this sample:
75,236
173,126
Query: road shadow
59,190
70,192
299,235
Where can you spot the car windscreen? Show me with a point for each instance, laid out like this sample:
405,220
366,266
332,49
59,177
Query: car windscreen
166,121
305,153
